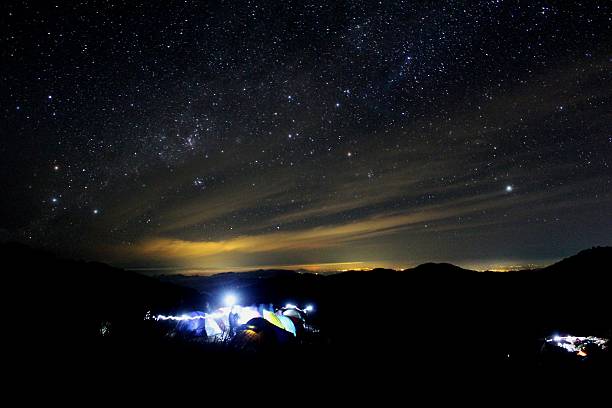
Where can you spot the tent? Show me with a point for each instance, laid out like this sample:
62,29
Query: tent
212,328
194,324
287,324
272,318
247,313
293,313
260,334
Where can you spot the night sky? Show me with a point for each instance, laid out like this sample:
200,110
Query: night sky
207,136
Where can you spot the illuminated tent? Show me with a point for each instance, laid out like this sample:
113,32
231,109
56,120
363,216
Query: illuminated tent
287,324
296,317
272,318
247,313
194,325
221,319
260,334
293,313
221,315
212,328
214,325
280,321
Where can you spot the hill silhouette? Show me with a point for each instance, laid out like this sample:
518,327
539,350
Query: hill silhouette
72,299
437,315
589,261
434,315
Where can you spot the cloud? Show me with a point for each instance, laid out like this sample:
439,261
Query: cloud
317,237
173,250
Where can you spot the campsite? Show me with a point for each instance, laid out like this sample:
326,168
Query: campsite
352,322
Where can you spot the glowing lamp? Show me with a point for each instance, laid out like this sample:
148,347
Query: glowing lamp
230,299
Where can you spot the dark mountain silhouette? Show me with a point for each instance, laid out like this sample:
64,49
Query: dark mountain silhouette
589,261
455,314
209,284
73,299
438,268
433,315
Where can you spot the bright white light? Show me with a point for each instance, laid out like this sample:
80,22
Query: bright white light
509,189
575,344
309,308
230,299
179,318
290,306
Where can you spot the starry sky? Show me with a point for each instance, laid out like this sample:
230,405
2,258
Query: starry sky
230,135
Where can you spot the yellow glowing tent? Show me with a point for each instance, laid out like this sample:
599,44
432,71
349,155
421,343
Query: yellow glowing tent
272,318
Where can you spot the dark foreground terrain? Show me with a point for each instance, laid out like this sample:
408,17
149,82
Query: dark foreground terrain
439,319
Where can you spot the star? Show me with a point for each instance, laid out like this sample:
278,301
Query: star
190,138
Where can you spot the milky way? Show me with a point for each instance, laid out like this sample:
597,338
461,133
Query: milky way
212,135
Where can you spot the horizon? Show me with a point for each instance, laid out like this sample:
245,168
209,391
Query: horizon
326,269
507,265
